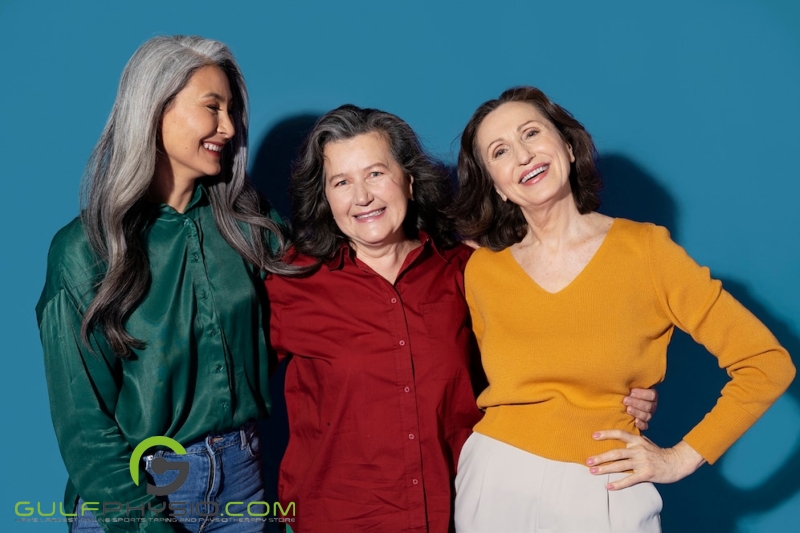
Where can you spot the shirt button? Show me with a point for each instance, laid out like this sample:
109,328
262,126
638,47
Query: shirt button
415,481
411,436
225,404
195,257
212,332
402,343
203,295
186,222
218,368
393,300
407,389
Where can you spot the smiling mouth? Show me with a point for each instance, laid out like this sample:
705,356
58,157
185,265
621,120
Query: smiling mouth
212,147
532,174
371,214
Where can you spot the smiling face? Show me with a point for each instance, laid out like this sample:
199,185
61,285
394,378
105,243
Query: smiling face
368,191
525,155
196,126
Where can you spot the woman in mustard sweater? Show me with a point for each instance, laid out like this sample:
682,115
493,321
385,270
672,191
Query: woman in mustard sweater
571,308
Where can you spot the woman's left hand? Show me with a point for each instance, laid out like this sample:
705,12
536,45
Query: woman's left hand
647,461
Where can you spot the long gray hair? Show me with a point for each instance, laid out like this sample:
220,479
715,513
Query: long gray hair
121,168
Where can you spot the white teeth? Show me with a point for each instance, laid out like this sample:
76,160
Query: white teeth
212,147
534,173
371,213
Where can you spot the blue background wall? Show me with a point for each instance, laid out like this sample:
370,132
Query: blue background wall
693,105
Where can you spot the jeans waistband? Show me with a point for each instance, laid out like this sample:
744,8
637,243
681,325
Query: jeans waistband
216,441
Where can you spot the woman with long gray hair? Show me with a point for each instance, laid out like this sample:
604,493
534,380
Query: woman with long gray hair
150,317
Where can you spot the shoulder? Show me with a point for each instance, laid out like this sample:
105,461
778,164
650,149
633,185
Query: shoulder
295,258
639,238
458,255
631,229
71,263
483,256
70,250
280,282
69,240
484,261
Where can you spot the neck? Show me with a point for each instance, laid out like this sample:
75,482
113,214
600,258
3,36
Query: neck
386,260
175,193
552,224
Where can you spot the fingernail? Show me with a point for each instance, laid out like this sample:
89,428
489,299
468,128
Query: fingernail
590,461
595,435
610,486
626,401
594,470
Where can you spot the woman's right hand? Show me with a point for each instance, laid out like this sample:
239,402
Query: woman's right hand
641,404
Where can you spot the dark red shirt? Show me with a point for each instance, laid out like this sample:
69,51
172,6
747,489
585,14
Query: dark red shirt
378,391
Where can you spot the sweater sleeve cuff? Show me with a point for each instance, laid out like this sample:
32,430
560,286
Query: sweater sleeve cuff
718,430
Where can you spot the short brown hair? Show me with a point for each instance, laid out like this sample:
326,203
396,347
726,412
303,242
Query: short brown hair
480,213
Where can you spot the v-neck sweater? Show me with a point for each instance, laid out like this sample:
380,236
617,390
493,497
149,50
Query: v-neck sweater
559,364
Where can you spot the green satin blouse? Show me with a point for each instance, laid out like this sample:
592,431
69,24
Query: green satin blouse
203,369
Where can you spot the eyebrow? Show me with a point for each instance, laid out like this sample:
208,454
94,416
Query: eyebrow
216,96
532,121
519,128
368,167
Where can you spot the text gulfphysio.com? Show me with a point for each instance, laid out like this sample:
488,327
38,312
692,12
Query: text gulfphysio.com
163,511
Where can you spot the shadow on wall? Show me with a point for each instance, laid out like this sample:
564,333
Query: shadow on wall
270,175
272,164
705,501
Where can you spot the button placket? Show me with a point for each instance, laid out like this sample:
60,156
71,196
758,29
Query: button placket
410,421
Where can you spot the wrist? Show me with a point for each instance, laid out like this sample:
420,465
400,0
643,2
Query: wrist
690,460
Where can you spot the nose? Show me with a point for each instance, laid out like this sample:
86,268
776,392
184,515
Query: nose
225,126
362,194
524,153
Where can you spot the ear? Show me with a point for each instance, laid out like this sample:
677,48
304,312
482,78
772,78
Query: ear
571,155
502,196
410,187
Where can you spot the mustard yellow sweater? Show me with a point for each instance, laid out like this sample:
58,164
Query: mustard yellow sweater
559,364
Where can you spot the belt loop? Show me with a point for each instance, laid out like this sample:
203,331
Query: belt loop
243,436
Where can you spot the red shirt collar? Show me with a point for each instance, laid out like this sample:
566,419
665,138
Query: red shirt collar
347,251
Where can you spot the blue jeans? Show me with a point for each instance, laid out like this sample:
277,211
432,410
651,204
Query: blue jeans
224,477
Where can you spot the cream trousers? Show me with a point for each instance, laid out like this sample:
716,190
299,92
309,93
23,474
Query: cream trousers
503,489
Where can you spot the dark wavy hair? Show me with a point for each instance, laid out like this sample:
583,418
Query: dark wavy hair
316,233
480,213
